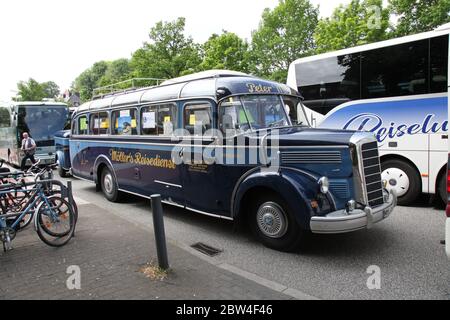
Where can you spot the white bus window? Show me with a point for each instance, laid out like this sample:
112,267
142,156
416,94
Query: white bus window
439,64
197,118
125,122
395,71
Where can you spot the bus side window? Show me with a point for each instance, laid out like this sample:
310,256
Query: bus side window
166,121
159,120
439,64
82,128
103,120
94,124
197,118
148,121
124,122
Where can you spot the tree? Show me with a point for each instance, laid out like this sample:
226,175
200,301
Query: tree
51,89
419,16
284,35
32,90
357,23
169,53
226,51
117,71
87,81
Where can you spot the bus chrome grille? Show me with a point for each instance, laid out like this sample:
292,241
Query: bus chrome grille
311,157
372,174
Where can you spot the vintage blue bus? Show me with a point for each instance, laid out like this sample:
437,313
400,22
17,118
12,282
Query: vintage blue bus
232,146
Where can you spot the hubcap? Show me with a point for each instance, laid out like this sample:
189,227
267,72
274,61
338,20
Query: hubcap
398,181
108,183
272,220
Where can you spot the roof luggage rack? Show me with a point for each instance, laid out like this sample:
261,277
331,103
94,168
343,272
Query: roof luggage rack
125,87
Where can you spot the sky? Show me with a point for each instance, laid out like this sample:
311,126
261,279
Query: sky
56,40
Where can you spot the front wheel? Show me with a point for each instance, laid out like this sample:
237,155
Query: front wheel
273,223
402,178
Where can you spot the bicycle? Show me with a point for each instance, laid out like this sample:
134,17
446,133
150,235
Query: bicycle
54,218
14,201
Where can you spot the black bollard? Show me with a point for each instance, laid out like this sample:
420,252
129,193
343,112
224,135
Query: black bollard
72,204
160,234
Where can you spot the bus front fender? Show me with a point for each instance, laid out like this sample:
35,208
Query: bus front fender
297,189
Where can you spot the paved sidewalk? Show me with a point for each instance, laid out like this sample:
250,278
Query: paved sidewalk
110,252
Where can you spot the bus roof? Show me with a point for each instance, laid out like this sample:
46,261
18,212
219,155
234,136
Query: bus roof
442,30
39,103
214,84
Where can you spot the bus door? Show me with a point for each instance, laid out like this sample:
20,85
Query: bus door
155,169
200,185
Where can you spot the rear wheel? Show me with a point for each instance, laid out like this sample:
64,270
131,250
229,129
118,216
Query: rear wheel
109,186
273,223
403,179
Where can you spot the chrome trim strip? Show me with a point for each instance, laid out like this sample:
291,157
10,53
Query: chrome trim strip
210,214
168,184
173,204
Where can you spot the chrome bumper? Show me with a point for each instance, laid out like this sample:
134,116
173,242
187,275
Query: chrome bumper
343,221
44,159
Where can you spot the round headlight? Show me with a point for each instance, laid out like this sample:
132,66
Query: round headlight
324,184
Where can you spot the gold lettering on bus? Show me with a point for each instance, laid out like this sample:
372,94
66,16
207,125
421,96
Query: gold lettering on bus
257,88
142,159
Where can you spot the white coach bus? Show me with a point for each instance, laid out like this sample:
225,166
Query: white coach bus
397,89
41,119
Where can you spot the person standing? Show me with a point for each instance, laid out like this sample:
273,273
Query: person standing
29,148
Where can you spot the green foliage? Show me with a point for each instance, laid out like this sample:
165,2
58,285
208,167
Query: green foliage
358,23
284,35
419,16
226,51
101,74
32,90
169,54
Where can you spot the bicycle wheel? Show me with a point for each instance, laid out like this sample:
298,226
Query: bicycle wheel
55,222
57,193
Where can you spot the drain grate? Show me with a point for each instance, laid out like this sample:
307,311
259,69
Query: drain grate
205,249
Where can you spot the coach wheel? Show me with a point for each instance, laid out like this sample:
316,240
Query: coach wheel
109,185
274,225
62,173
402,178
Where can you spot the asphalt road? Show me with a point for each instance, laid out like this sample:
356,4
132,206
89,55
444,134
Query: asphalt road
406,248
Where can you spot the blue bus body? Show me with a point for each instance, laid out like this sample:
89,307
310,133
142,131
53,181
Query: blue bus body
144,165
62,146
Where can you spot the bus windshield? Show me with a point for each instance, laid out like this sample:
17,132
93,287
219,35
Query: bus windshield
252,113
42,122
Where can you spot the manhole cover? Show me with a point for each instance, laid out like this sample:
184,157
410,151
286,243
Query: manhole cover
205,249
